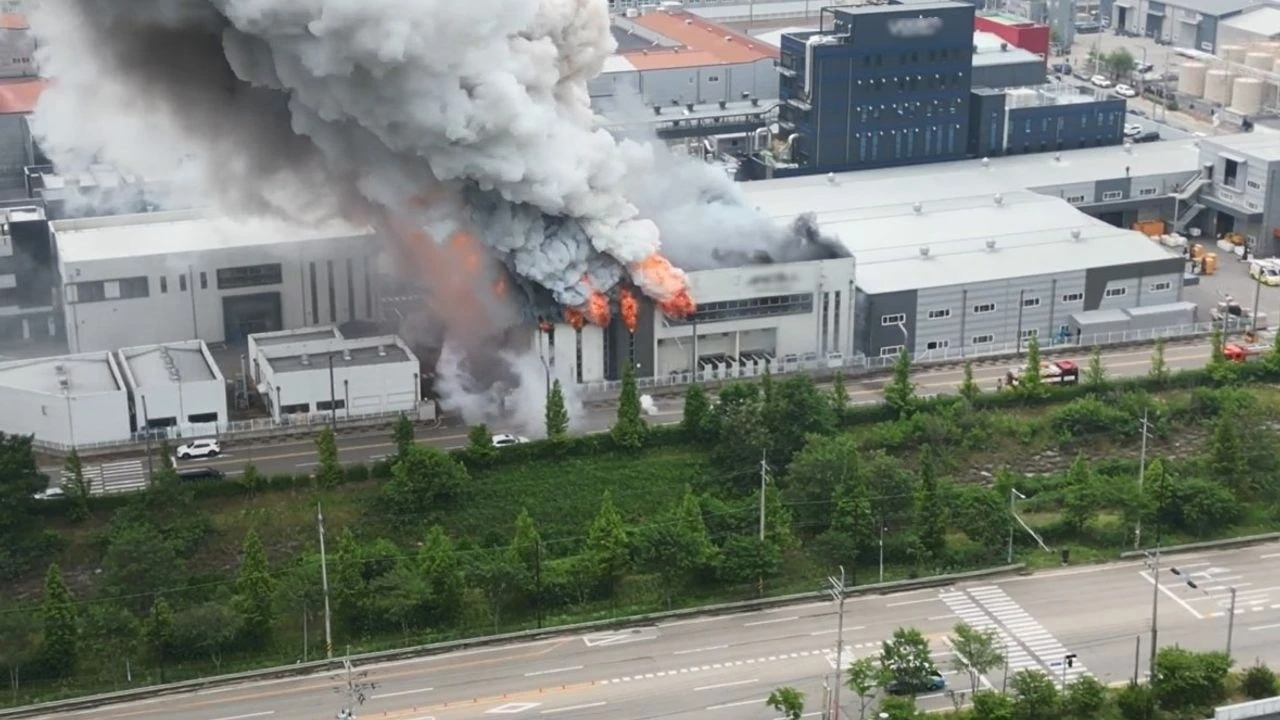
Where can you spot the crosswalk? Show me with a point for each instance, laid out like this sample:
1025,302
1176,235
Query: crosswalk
1026,644
112,477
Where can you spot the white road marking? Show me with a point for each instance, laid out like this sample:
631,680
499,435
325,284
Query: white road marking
725,685
1165,589
830,631
602,703
912,602
736,704
400,693
1265,627
770,622
702,649
511,708
552,670
943,617
1269,556
264,713
695,621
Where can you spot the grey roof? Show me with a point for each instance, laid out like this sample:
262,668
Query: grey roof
629,41
1032,235
286,337
87,374
168,364
364,351
1263,145
1014,56
1213,8
1260,21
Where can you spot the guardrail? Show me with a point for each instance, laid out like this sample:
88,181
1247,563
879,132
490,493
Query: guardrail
323,666
1226,544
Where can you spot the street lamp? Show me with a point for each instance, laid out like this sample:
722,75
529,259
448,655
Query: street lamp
836,589
1231,613
1152,562
882,529
1068,660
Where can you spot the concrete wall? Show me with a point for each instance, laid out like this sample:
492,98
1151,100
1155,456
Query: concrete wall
1011,74
162,403
80,419
364,389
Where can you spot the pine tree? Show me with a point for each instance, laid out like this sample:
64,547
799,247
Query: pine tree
1215,348
1095,376
1031,385
1159,368
930,521
255,591
250,479
839,395
61,632
608,547
968,388
329,470
629,430
526,543
165,456
157,632
77,486
697,407
900,393
557,416
402,435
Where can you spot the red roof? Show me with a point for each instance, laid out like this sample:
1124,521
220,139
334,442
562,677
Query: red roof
702,43
19,97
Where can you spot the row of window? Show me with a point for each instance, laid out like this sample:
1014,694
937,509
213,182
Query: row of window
915,56
768,306
908,110
984,339
1027,302
140,287
913,83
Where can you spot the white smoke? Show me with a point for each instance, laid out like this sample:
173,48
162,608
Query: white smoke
515,405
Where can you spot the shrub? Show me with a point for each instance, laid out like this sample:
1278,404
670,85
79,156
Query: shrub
1259,682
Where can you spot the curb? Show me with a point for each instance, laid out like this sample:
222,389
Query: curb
1206,545
322,666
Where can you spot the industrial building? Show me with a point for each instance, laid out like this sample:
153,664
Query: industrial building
999,64
1042,119
67,401
1019,32
176,385
1235,191
1192,24
28,280
318,371
1252,27
134,280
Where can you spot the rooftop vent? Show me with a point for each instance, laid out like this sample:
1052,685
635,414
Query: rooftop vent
60,369
991,245
64,383
1057,157
688,22
382,351
917,208
657,109
346,355
755,102
831,178
746,94
1128,147
723,104
688,106
1004,47
728,38
986,162
675,102
305,359
924,251
999,199
1075,234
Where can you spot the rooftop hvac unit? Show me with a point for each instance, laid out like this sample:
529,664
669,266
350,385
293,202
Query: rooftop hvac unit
382,351
999,200
917,208
64,382
924,251
991,245
60,369
1075,234
305,359
346,355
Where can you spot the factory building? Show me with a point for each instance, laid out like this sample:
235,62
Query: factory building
1019,121
317,371
1019,32
28,280
1251,28
134,280
69,401
1235,191
1192,24
175,385
999,64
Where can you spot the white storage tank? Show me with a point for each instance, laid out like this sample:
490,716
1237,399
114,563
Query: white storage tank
1191,78
1260,60
1246,96
1232,53
1217,87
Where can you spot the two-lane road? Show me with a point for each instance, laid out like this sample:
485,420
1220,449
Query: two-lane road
724,666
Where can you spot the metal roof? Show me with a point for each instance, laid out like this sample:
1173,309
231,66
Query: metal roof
1213,8
86,374
168,364
383,350
1262,145
283,337
1261,21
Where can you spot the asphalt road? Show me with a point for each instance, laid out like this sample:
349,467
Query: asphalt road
724,666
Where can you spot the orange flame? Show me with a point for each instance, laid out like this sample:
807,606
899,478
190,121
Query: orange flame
630,311
665,283
597,309
575,318
500,288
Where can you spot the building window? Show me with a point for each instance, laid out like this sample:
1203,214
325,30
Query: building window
182,283
984,308
1147,192
1030,333
164,284
1252,205
1075,199
895,319
940,314
1112,195
937,345
1253,184
891,350
1116,292
325,405
204,280
769,306
1030,302
1073,297
103,290
248,276
1162,286
982,339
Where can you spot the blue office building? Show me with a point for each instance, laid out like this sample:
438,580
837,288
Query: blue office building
1035,120
877,86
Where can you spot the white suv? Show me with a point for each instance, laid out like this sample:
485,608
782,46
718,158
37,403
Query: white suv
507,440
198,449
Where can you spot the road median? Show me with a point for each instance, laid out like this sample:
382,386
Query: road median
302,670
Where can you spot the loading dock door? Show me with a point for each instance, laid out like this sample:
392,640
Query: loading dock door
243,315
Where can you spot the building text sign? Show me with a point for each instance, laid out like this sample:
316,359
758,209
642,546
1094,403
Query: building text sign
917,27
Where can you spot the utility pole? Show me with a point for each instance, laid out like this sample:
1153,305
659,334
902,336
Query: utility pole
1142,474
836,590
764,481
1013,518
1155,610
882,550
1231,621
146,434
324,584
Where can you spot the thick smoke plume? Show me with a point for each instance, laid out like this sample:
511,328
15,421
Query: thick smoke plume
462,129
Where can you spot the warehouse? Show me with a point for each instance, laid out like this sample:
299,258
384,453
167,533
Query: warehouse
176,385
998,64
1235,191
65,402
305,374
134,280
1192,24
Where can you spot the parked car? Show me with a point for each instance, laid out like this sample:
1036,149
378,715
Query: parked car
934,682
198,449
1062,68
201,473
1132,130
507,440
1125,91
53,492
1146,137
1101,81
1144,68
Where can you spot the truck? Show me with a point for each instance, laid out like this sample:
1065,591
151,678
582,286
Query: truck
1242,352
1055,372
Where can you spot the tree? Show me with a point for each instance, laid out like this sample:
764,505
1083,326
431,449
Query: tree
480,443
795,410
526,543
906,661
1227,462
1120,61
1159,367
900,393
608,548
1080,498
864,677
839,396
696,409
1095,376
496,574
1259,682
747,559
441,568
1085,698
1035,696
900,707
679,547
329,470
629,430
1186,681
164,453
1031,385
255,591
77,487
853,519
250,479
426,480
209,629
992,705
157,632
788,701
557,415
61,626
969,389
1216,358
737,430
402,435
930,523
977,652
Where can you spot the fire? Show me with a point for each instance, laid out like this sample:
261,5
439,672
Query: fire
575,318
468,247
630,311
500,288
597,309
665,283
